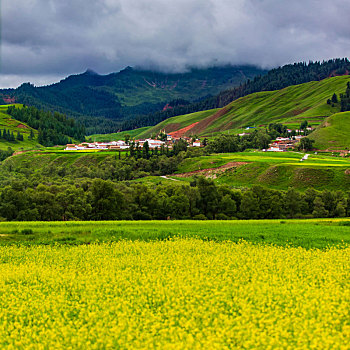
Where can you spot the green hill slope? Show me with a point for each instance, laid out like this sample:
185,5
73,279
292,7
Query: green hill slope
15,126
176,123
288,106
118,135
333,133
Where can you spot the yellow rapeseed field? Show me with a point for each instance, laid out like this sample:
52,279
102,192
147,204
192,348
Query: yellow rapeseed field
176,294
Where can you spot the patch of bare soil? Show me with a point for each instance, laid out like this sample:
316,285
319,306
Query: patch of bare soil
212,172
204,123
22,126
181,132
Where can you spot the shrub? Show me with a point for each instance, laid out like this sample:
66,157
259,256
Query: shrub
27,231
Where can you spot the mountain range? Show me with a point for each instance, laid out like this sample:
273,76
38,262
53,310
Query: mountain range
128,93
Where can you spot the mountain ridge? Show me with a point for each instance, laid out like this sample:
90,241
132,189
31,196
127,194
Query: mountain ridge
130,92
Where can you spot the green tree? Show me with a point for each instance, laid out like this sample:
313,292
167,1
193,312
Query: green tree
305,144
319,208
106,201
127,138
304,124
31,135
19,136
145,150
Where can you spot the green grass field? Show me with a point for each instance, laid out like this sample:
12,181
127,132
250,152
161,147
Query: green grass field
8,123
311,233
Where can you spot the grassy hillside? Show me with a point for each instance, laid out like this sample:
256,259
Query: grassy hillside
176,123
169,125
289,106
118,135
8,123
333,133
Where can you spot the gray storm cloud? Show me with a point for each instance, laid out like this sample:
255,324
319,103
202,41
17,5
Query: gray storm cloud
44,40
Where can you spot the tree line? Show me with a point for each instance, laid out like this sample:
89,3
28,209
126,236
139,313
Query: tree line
345,99
202,199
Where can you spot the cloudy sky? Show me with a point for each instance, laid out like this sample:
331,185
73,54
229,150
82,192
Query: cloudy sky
43,41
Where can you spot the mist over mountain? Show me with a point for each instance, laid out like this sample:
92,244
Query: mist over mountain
43,41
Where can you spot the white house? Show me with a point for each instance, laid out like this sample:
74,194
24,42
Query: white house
274,149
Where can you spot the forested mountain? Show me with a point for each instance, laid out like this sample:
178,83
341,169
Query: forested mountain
101,102
275,79
53,128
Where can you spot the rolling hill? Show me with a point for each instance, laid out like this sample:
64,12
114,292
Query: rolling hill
289,106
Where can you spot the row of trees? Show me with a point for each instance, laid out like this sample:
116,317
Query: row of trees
345,99
8,135
235,143
202,199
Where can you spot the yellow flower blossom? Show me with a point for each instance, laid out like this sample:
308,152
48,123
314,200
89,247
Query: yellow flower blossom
176,294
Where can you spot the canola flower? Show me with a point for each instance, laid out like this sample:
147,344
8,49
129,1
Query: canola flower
176,294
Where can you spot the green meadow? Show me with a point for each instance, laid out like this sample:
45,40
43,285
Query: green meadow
289,106
311,233
333,133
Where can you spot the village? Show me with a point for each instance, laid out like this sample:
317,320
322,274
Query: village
280,144
122,145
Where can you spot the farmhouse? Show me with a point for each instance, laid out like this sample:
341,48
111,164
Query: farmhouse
97,146
151,143
284,143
